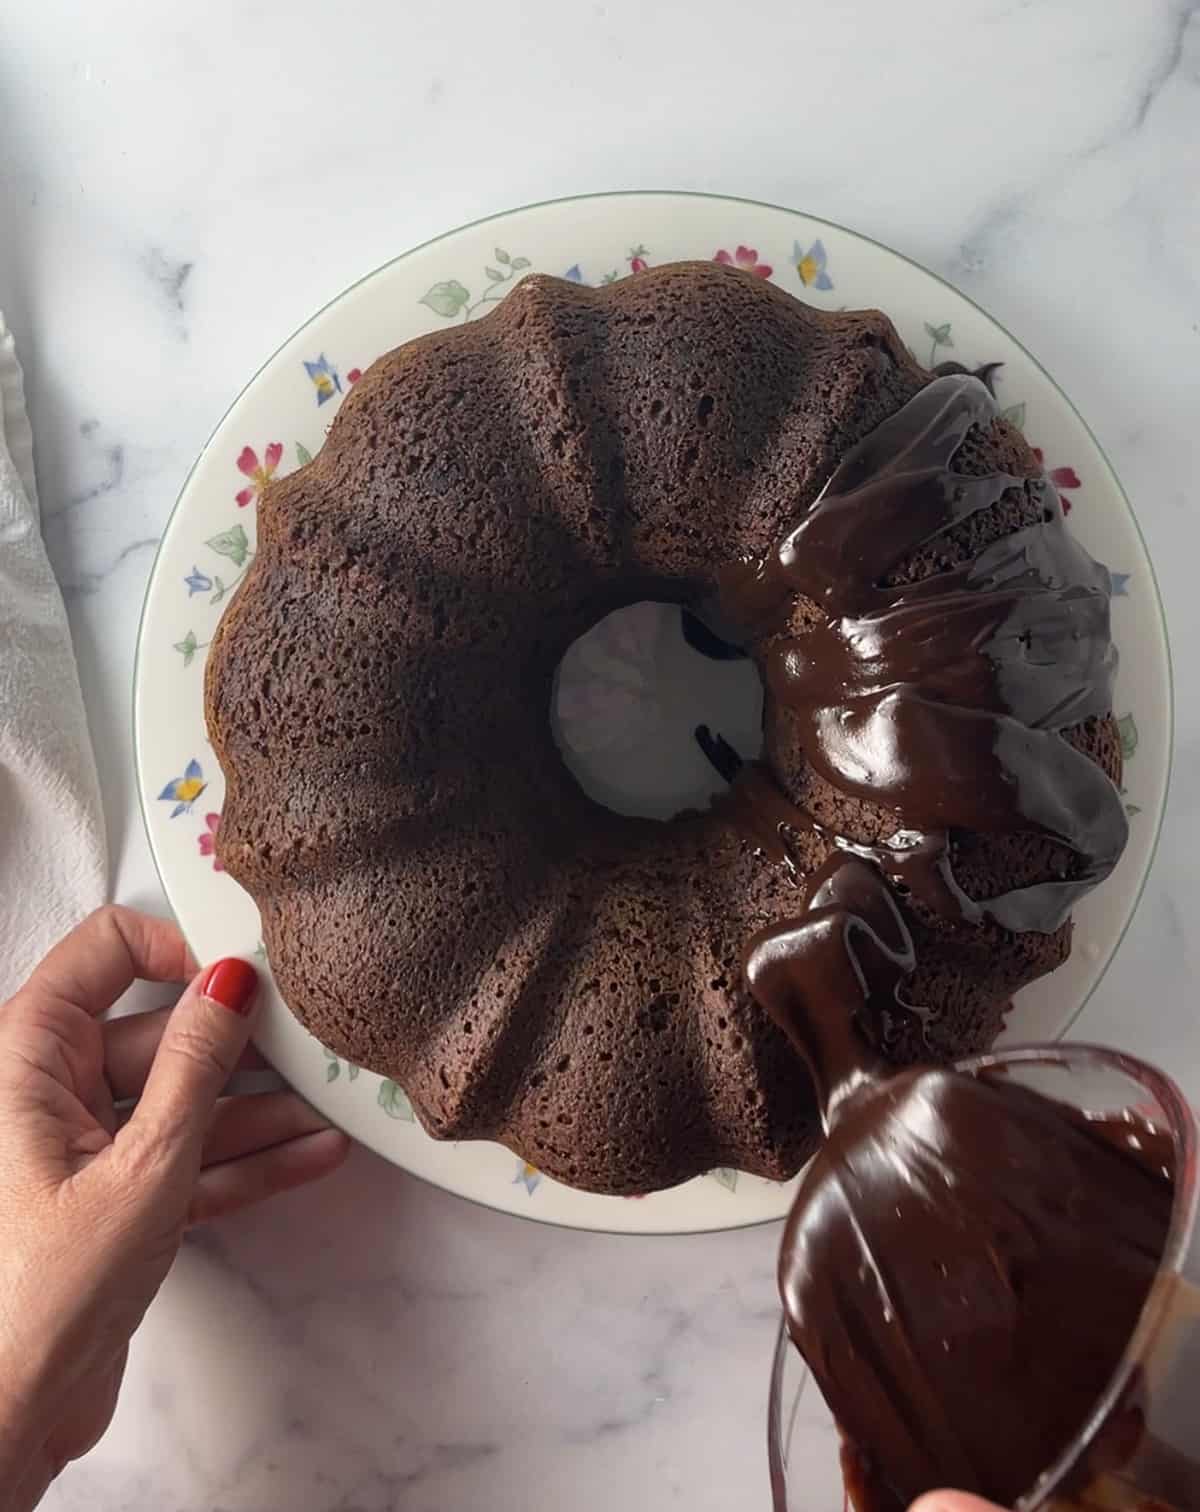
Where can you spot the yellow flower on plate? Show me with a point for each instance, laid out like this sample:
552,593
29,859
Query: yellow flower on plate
527,1176
811,266
183,791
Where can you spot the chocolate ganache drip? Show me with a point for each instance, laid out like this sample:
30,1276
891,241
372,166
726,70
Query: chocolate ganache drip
941,700
961,1312
962,1270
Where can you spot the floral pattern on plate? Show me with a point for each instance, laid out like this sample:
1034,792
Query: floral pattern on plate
812,266
325,379
745,258
259,473
183,791
449,298
206,840
527,1176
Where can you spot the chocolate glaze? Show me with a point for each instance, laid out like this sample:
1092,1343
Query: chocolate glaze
985,372
965,1261
962,1270
941,699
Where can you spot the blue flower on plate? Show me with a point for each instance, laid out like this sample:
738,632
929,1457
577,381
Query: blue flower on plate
325,378
811,265
527,1176
573,275
1120,582
183,791
197,582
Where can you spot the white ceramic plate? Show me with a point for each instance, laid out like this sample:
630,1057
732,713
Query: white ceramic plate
281,418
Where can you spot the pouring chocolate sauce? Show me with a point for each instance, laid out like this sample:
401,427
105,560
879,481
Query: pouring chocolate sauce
966,1260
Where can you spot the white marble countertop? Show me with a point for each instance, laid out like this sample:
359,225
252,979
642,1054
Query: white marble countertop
180,186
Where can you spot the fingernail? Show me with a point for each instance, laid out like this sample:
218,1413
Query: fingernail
232,983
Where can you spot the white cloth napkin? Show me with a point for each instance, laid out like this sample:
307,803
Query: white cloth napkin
53,864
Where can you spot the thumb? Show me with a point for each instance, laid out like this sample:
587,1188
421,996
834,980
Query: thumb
952,1501
205,1035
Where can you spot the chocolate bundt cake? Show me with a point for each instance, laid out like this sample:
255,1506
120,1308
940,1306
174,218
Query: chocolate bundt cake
441,902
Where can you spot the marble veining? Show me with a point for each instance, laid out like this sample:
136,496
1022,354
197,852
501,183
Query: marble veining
83,582
171,277
179,189
112,472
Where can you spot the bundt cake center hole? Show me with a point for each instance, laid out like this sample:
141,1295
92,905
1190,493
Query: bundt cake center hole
629,697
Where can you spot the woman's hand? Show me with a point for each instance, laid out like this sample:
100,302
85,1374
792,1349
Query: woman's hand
93,1207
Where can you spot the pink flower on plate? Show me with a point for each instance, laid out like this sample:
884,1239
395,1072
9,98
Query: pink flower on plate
745,258
1062,477
353,376
208,840
259,473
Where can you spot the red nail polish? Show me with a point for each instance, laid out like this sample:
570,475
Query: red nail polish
232,983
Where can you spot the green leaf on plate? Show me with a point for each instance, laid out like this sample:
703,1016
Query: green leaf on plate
303,455
332,1071
940,333
232,543
1128,729
1015,414
521,262
219,589
352,1071
260,950
187,648
447,298
727,1178
394,1101
502,256
1133,808
494,275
